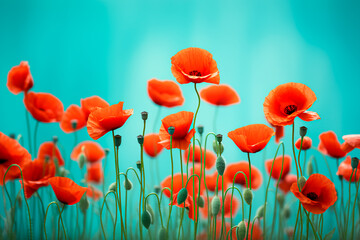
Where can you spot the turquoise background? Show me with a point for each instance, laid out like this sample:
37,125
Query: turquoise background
108,48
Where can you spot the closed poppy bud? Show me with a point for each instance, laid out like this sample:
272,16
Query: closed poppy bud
138,165
280,198
200,202
341,177
112,187
106,150
218,148
63,172
151,211
200,129
301,182
146,219
303,131
128,184
248,196
162,235
157,189
354,162
182,195
309,168
74,123
260,211
19,200
117,140
241,230
84,203
12,135
171,130
286,211
55,139
82,160
220,165
215,205
140,139
219,138
144,115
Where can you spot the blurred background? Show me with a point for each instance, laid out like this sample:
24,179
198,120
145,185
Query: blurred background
111,48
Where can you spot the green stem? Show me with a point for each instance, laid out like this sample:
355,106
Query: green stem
172,185
62,222
104,201
28,130
35,135
353,211
248,226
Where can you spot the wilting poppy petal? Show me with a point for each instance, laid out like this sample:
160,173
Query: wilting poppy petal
91,104
233,168
73,116
66,190
194,65
106,119
278,165
288,101
44,107
330,145
211,182
93,193
220,95
92,151
165,93
95,173
317,195
345,169
351,141
152,146
286,183
50,150
210,156
307,142
19,78
251,138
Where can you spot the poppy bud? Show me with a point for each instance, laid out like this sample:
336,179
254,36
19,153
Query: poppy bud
354,162
200,201
19,200
128,184
74,123
215,205
219,138
82,160
280,198
112,187
260,211
220,165
286,211
117,140
146,219
157,189
162,235
138,165
84,203
55,139
12,135
140,139
63,172
151,211
182,195
303,131
144,115
218,148
106,150
248,196
171,130
200,129
241,230
301,182
309,168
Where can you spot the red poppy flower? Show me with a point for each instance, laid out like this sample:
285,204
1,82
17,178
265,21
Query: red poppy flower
279,133
351,142
345,170
317,195
194,65
211,182
181,138
307,142
72,115
233,168
93,193
227,206
106,119
189,204
11,152
210,156
288,101
330,145
49,149
36,175
177,184
19,78
44,107
277,166
251,138
220,95
152,146
256,232
286,183
66,190
165,93
91,104
95,173
92,151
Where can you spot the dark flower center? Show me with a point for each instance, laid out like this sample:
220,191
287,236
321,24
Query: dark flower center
3,161
313,196
195,73
289,109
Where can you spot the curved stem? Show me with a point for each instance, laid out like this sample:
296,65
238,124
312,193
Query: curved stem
157,197
62,222
102,206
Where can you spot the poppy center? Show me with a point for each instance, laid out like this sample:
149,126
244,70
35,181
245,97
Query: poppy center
3,161
289,109
313,196
195,73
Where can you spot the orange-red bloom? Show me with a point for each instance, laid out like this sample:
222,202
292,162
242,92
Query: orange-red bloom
95,173
92,151
277,166
165,93
256,232
345,170
307,142
50,150
106,119
72,115
220,95
211,182
351,141
93,193
181,138
44,107
194,65
66,190
210,156
330,145
251,138
177,184
91,104
233,168
288,101
279,133
19,78
286,183
152,146
317,195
